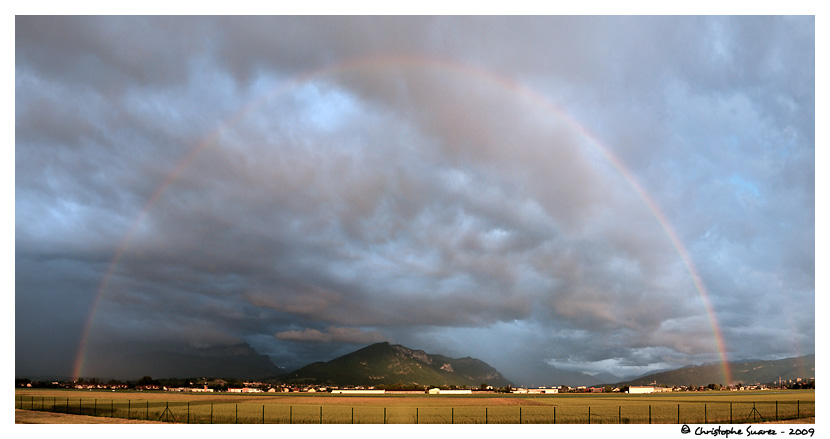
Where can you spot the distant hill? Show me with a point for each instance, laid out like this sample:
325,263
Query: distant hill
238,361
746,372
551,376
607,378
384,363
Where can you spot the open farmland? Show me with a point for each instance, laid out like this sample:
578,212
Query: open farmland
691,407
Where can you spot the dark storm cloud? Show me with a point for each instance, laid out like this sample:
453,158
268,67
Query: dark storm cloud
333,334
110,54
313,184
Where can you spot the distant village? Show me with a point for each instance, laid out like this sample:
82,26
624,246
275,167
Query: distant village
232,386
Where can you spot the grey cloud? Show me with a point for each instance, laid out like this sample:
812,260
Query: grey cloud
109,53
332,334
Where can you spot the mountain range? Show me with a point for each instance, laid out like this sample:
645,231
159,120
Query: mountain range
389,364
745,371
239,360
384,363
547,375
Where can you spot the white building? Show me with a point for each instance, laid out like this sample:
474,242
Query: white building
640,389
245,390
542,390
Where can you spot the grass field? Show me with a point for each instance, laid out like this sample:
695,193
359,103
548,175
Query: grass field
685,407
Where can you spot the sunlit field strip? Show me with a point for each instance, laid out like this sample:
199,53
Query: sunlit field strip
686,407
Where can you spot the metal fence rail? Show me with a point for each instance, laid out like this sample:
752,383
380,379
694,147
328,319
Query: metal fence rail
200,412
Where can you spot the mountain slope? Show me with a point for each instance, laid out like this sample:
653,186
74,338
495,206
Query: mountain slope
383,363
554,377
608,378
239,361
747,372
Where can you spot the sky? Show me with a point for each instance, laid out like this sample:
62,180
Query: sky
615,194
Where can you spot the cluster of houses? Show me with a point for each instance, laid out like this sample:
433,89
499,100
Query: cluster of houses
267,388
203,389
519,390
259,387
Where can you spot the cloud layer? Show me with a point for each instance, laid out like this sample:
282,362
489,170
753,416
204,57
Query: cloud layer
466,186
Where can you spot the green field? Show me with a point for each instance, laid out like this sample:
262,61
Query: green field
667,408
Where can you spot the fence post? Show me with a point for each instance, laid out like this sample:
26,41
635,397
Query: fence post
649,413
619,414
554,414
704,413
67,405
128,409
678,413
520,415
291,414
95,407
776,411
148,410
798,408
236,414
188,412
416,414
112,409
730,412
485,415
353,414
263,413
589,415
321,414
384,415
211,413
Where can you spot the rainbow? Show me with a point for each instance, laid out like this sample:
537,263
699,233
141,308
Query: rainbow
419,62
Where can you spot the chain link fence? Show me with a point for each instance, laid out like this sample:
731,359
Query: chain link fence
203,412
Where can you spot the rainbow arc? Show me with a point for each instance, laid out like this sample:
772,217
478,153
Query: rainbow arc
412,62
